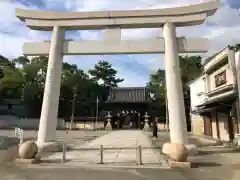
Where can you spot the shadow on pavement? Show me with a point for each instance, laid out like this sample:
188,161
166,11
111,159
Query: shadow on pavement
86,137
164,137
49,161
205,164
218,151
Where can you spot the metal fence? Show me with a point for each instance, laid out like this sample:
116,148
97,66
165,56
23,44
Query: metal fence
139,152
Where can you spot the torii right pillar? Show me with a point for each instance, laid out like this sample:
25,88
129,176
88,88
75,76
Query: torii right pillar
176,108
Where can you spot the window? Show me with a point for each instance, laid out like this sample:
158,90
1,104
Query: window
220,79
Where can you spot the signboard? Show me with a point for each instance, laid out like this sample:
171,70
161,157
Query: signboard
19,133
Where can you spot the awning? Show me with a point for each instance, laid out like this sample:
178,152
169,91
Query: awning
217,103
203,110
220,100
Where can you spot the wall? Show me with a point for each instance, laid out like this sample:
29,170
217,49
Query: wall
229,77
100,125
206,84
197,90
221,55
235,125
162,126
214,125
197,124
7,122
223,126
87,125
197,85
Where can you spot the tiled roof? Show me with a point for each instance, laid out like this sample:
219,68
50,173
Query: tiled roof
128,95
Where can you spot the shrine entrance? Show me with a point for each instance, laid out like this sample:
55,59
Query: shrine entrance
127,106
112,22
126,120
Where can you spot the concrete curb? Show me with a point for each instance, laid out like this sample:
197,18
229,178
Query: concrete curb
176,164
28,161
68,166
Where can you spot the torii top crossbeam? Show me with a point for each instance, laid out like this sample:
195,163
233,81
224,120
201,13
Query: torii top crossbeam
180,16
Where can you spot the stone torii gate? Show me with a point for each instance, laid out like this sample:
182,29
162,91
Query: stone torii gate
112,22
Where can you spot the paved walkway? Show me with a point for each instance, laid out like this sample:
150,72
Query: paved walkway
123,152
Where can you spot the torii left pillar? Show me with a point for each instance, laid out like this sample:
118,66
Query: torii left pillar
49,113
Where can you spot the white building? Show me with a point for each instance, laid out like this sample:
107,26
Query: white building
214,98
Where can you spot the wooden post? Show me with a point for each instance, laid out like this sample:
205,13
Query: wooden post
101,154
64,153
140,155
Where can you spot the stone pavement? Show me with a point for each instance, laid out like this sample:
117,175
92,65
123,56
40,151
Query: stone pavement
122,152
88,173
213,162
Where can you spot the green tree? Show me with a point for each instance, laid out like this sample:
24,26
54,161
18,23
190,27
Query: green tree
103,71
34,73
191,68
156,85
4,62
12,80
75,83
105,76
25,79
22,60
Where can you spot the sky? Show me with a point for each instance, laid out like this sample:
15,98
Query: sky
221,29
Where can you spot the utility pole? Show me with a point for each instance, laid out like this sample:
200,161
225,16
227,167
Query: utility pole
73,106
97,101
166,104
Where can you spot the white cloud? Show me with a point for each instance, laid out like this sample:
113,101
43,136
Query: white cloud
10,46
14,33
226,16
227,28
132,79
88,5
224,30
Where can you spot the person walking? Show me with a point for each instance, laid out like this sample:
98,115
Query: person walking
155,129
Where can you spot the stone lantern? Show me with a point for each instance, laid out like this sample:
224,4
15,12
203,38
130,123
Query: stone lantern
146,125
108,126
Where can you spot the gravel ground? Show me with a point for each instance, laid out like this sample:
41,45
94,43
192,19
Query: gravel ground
218,163
89,174
163,137
212,163
73,137
215,164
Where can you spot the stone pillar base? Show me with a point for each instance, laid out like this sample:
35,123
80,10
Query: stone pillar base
28,161
53,146
176,164
191,149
